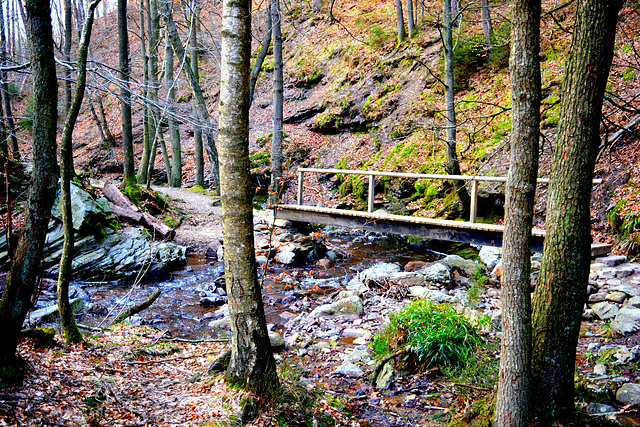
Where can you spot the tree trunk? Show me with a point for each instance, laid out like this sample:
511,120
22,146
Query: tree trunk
197,135
6,97
143,167
125,95
317,6
105,124
25,268
410,21
252,365
452,167
71,331
68,31
153,19
402,33
255,71
174,132
562,285
486,28
201,111
278,100
513,400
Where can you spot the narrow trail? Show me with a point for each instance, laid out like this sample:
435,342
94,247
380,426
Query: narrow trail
202,224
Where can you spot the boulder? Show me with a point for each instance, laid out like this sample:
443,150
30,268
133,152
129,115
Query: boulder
454,261
293,254
414,265
490,255
436,274
347,306
628,394
612,260
349,369
50,314
627,288
605,310
212,250
627,321
430,294
617,297
87,214
276,340
386,376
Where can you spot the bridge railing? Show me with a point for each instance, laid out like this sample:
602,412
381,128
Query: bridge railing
473,180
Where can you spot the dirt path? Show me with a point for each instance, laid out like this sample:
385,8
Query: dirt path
202,224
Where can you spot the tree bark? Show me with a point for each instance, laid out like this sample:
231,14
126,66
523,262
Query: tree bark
68,32
25,268
174,130
252,365
255,71
486,28
402,33
125,95
6,96
452,167
410,21
513,400
193,46
114,195
278,101
71,331
143,167
562,286
153,19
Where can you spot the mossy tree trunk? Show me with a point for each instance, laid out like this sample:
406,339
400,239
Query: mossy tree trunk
562,285
251,365
513,400
147,142
402,33
9,123
71,331
278,101
25,267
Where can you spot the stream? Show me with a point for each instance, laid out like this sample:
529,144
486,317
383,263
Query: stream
179,311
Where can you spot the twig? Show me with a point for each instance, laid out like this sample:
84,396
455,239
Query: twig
173,359
474,387
89,328
124,405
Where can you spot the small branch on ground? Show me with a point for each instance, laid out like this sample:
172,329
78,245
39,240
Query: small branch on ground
134,309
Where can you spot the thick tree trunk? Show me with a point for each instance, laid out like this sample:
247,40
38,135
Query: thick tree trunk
25,268
153,19
513,401
193,46
562,286
252,365
71,331
452,167
278,101
402,33
125,95
255,71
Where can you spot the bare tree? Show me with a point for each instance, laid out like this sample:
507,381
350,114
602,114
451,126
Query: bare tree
125,95
278,100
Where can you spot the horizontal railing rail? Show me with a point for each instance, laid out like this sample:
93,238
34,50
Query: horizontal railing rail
473,179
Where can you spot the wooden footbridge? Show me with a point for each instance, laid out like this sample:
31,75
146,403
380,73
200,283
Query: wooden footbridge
431,228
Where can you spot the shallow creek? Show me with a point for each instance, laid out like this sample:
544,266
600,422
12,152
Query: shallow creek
178,309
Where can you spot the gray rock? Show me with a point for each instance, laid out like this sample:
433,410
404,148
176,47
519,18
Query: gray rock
406,278
430,294
490,255
355,332
213,301
212,250
349,368
605,310
600,369
628,394
346,306
627,288
386,376
612,260
436,274
600,408
261,260
359,353
599,297
617,297
276,340
634,302
626,322
454,261
293,254
380,270
86,213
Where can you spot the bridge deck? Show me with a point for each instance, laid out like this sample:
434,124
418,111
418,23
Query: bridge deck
431,228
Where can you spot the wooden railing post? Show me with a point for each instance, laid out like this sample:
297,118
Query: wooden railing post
300,186
474,201
372,189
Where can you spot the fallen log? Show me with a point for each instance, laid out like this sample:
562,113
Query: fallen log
126,215
137,308
159,228
115,196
